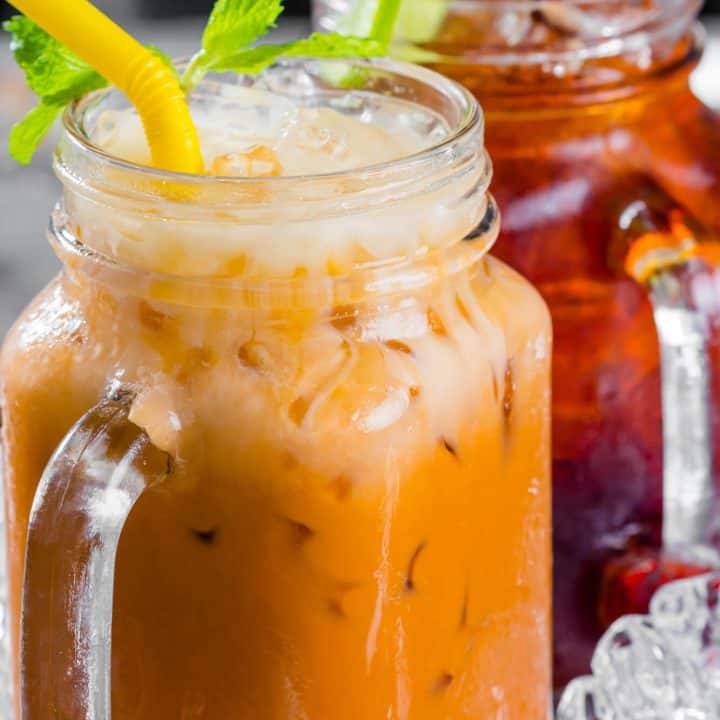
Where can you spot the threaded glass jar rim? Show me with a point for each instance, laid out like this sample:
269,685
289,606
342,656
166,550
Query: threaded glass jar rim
108,189
629,31
85,168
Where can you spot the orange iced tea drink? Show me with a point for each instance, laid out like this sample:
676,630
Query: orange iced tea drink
352,394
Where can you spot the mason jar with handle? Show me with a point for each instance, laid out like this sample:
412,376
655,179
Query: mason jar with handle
279,446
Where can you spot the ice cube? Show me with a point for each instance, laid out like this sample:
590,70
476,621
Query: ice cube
121,133
322,140
584,699
261,161
642,673
658,667
689,613
237,119
251,112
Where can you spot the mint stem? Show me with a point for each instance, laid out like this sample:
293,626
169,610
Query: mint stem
194,72
384,21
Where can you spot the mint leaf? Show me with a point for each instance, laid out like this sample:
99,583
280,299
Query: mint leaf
231,27
234,24
26,135
319,45
335,45
55,74
250,61
51,70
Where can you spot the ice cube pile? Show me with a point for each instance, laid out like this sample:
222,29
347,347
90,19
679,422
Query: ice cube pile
664,666
258,132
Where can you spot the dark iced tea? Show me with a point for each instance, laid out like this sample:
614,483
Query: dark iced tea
600,150
577,147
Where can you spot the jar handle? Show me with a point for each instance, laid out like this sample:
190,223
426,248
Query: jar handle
82,502
661,246
667,251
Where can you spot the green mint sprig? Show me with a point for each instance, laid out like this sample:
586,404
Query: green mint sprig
57,76
235,24
251,61
54,74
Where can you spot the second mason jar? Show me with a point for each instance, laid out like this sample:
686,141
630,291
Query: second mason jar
606,173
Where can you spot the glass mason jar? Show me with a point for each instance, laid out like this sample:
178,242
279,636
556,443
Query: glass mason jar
309,414
607,172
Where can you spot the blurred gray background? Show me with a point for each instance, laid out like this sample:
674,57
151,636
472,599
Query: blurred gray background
27,193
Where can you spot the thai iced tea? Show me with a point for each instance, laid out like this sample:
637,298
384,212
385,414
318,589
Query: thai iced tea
353,397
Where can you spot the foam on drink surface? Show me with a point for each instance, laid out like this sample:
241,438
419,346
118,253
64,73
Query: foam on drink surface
254,132
246,132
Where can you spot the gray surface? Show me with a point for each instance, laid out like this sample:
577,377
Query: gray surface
27,194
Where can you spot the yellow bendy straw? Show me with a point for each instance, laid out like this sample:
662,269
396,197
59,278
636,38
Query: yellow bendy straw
149,84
